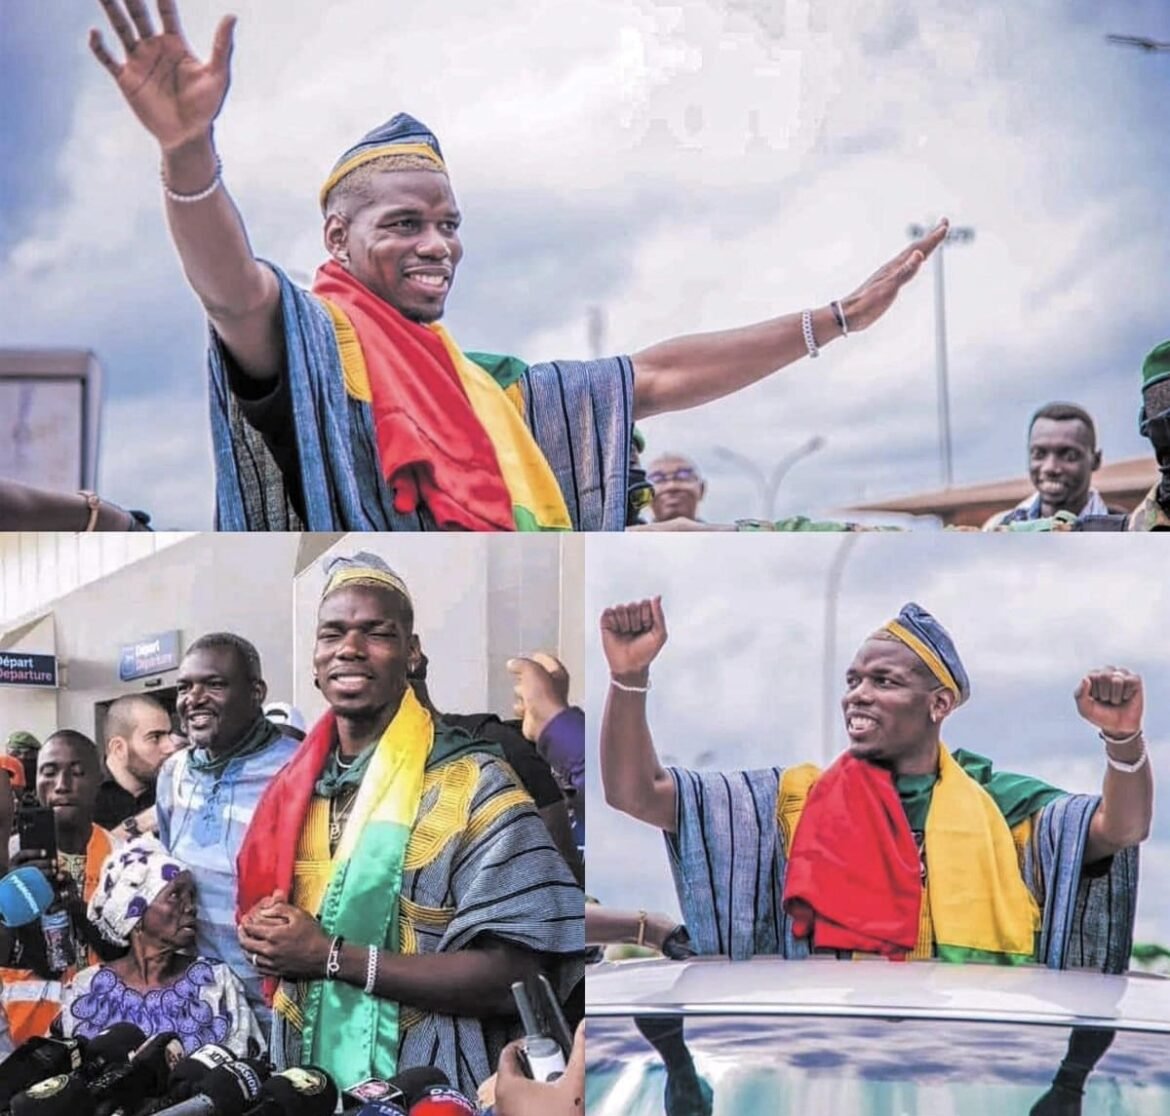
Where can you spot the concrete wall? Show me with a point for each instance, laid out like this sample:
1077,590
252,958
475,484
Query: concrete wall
39,567
200,584
479,600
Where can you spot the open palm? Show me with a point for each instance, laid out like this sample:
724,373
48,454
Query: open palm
173,93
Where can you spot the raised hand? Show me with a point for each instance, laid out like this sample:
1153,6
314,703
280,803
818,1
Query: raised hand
1110,698
542,691
173,93
876,295
631,636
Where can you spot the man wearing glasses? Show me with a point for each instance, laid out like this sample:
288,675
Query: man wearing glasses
1153,513
679,487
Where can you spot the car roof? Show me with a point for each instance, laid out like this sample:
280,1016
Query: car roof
879,988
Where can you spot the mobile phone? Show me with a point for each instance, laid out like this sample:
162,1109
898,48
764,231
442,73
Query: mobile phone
37,830
544,1052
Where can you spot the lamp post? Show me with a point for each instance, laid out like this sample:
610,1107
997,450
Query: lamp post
955,235
830,681
769,484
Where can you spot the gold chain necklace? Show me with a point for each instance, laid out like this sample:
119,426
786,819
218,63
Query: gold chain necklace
339,814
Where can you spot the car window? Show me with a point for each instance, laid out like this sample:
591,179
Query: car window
820,1066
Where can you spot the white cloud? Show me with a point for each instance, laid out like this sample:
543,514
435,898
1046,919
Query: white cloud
734,160
742,679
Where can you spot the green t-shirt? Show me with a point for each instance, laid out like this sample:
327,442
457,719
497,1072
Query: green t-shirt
1017,796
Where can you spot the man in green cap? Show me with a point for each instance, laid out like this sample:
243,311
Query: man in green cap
1153,513
351,408
23,746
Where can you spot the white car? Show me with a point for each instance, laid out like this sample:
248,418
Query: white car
769,1037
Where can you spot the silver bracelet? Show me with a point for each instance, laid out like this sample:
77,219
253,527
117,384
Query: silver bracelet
333,961
839,314
371,969
1107,739
1128,768
630,689
806,328
189,199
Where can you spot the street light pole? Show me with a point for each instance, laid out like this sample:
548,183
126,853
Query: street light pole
830,682
769,485
955,235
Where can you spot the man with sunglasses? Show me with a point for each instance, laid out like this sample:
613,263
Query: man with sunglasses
679,487
1153,513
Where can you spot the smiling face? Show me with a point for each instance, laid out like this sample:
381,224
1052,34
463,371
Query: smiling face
399,238
678,487
217,701
1061,460
893,706
363,651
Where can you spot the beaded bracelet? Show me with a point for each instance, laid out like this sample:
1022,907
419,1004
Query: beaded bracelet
371,969
189,199
630,689
810,341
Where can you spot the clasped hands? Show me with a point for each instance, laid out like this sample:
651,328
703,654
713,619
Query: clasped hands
281,940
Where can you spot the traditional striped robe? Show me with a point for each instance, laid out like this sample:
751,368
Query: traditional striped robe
728,860
479,862
579,412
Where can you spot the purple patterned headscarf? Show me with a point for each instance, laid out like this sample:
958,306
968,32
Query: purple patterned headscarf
131,879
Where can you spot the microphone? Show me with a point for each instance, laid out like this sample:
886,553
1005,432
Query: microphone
62,1095
25,895
401,1091
227,1090
442,1100
298,1091
127,1087
189,1073
112,1047
36,1060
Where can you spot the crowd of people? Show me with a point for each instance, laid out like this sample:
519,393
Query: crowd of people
359,895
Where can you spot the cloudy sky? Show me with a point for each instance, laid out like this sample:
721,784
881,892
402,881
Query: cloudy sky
682,166
741,680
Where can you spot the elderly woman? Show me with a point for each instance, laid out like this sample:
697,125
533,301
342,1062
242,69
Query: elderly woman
145,900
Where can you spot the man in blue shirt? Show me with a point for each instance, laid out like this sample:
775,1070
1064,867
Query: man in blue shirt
207,793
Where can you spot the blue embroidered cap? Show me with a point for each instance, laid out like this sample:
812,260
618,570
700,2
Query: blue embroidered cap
931,642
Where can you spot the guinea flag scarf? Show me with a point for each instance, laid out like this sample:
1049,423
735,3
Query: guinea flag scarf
855,880
448,436
345,1031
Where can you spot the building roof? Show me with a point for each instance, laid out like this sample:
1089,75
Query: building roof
1122,484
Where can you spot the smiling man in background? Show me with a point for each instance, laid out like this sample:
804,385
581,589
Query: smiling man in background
1062,458
208,792
785,861
679,487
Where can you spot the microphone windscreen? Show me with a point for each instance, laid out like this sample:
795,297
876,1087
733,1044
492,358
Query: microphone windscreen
442,1100
302,1091
415,1080
64,1095
25,895
115,1044
234,1088
189,1072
